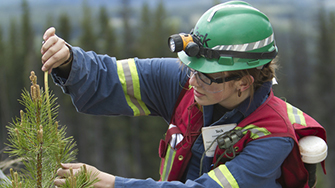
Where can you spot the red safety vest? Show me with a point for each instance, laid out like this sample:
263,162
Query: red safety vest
274,118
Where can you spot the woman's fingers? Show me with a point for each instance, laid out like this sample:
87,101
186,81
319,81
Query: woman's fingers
48,33
54,50
59,182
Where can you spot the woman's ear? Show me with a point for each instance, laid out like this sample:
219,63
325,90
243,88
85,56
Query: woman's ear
245,82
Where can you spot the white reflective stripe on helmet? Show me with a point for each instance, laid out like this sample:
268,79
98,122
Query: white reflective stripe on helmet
228,6
247,46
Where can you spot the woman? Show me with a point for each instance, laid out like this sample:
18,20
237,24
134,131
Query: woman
224,86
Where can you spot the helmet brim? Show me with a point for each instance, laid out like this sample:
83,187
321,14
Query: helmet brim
204,65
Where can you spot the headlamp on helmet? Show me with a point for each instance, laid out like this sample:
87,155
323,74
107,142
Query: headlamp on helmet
182,41
191,45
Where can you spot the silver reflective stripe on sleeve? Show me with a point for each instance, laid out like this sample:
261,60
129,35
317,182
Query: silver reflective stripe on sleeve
129,80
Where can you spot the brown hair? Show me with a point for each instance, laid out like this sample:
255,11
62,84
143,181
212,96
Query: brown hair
265,74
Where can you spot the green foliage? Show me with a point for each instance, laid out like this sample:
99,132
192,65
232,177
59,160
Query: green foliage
144,45
128,36
64,29
27,31
161,30
107,40
324,90
87,39
38,140
154,28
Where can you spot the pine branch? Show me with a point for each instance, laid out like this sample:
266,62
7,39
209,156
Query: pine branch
37,138
41,143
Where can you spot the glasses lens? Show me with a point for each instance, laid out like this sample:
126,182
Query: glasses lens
213,88
205,82
190,73
204,78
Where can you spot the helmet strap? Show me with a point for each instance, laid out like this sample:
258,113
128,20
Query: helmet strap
216,54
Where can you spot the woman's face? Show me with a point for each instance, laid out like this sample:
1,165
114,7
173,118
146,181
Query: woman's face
226,95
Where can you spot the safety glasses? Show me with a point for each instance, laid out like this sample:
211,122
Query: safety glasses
209,84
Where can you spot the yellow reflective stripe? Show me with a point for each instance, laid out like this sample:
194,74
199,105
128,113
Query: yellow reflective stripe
295,115
168,163
130,82
223,177
255,132
134,76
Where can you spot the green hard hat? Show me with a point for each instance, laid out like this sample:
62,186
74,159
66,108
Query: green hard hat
239,32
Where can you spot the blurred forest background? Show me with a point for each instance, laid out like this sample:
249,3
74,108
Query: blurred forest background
124,146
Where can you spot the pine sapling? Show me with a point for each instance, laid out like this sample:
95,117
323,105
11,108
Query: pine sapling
41,142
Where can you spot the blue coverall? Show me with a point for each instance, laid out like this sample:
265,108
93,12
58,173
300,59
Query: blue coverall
95,88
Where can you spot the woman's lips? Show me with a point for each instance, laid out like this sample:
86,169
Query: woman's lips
198,94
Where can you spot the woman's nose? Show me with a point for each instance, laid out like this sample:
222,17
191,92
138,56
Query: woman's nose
193,80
